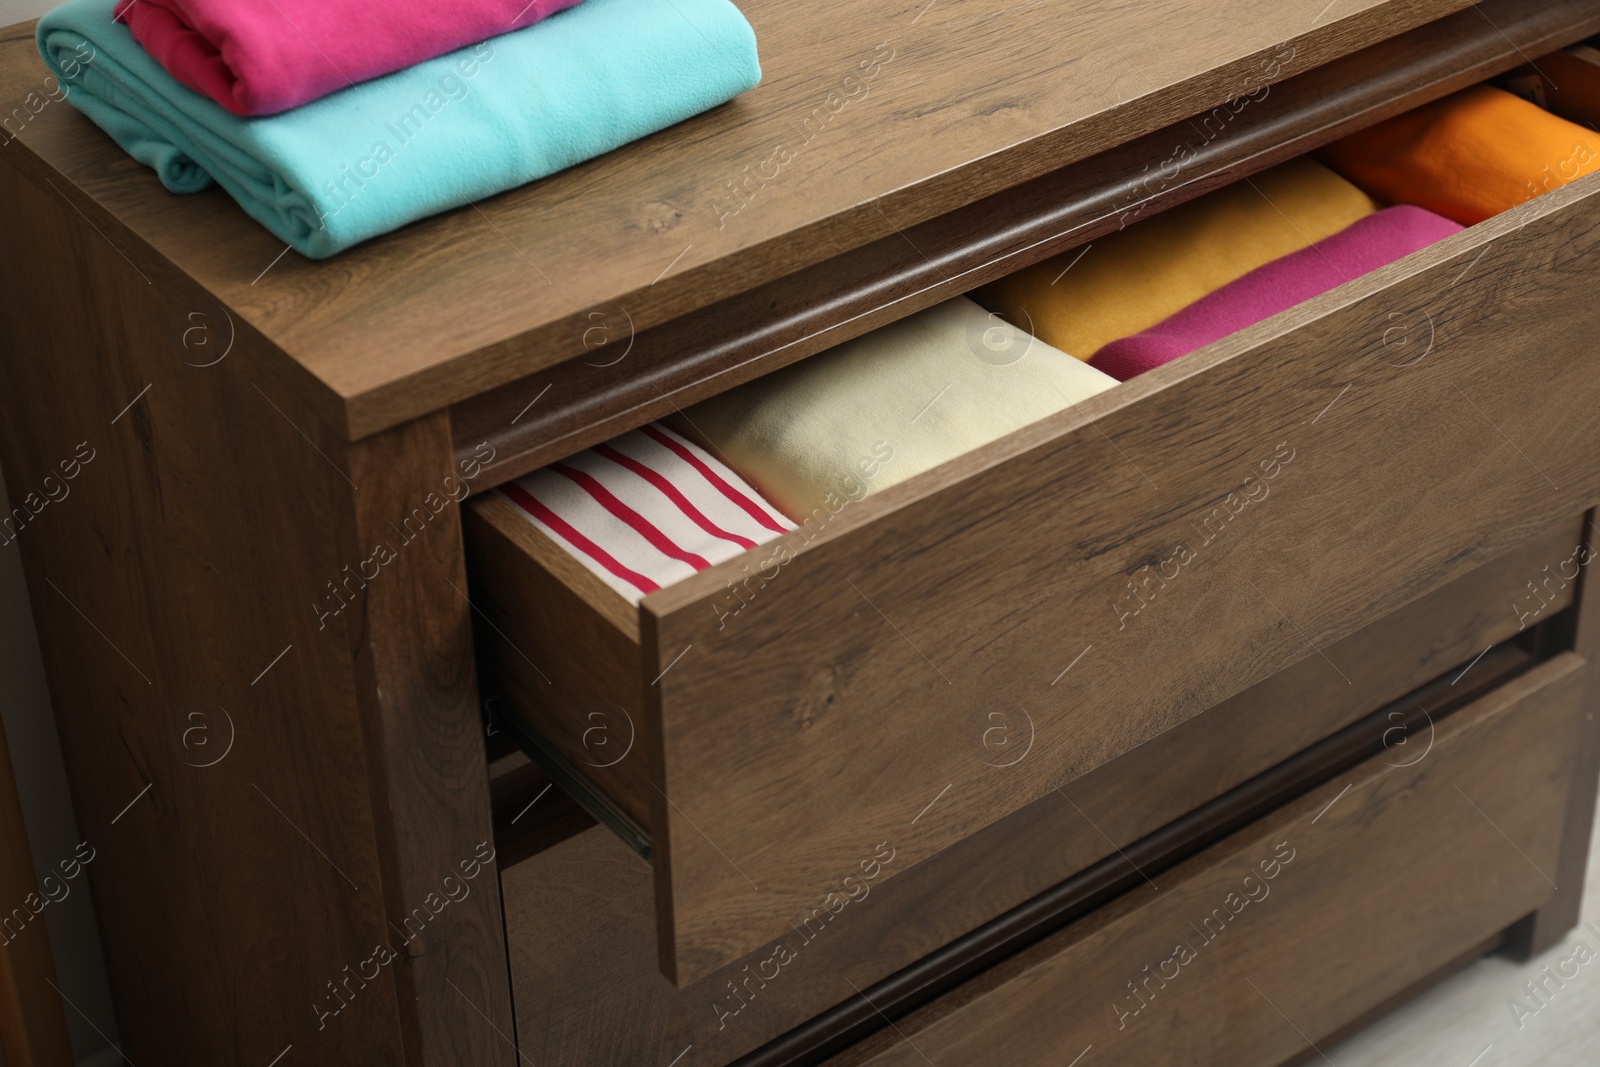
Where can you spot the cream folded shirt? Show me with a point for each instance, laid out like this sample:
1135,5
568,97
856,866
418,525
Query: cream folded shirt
876,410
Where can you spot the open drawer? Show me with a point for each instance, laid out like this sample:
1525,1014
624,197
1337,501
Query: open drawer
1080,586
580,916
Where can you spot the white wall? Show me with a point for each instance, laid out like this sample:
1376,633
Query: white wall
36,757
21,10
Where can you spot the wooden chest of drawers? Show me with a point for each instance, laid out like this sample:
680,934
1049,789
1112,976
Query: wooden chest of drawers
1230,669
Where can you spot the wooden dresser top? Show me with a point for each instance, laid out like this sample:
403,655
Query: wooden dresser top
872,116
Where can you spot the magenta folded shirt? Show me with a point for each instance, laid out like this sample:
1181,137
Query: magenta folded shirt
1364,246
260,58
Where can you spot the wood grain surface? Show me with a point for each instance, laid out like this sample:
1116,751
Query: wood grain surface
580,919
1370,445
241,748
1296,924
555,654
410,636
183,582
892,114
1568,83
1150,856
627,376
1551,923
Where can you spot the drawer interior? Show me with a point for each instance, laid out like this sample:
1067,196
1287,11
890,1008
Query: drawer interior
870,656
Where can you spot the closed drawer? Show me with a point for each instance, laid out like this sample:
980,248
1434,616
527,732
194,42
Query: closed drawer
1277,937
1101,576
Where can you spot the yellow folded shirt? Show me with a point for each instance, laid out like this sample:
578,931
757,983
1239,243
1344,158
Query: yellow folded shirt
876,410
1132,279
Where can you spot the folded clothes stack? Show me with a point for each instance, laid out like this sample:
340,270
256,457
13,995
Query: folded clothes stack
1356,250
645,510
1178,281
262,59
874,411
1131,279
382,116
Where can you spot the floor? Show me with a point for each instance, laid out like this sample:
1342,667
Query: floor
1474,1018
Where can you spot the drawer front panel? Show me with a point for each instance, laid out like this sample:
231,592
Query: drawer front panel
572,705
1283,933
1105,574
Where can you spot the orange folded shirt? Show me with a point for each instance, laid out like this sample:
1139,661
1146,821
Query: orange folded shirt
1469,156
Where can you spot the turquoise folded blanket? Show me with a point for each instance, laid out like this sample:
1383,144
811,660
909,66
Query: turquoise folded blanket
446,132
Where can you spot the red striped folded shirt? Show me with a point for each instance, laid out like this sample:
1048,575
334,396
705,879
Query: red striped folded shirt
646,509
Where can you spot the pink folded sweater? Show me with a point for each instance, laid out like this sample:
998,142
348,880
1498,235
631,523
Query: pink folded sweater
260,58
1359,248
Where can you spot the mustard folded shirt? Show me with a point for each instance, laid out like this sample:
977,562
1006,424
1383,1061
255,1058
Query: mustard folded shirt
876,410
1471,155
1130,280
